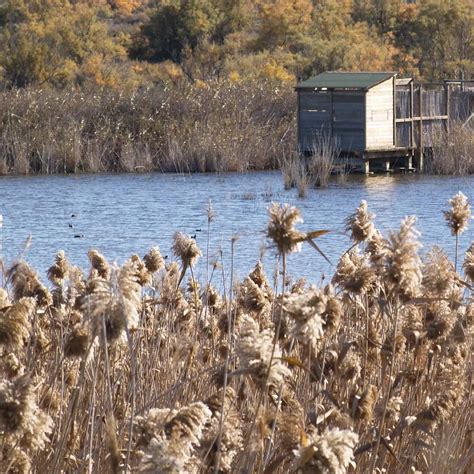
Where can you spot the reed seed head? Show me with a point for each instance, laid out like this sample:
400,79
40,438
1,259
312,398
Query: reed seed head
281,228
255,354
469,263
306,311
354,272
331,452
59,271
15,323
438,273
377,248
359,224
458,216
4,299
99,263
186,249
171,438
403,266
154,260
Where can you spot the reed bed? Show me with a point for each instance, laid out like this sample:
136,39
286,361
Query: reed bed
218,126
452,153
141,368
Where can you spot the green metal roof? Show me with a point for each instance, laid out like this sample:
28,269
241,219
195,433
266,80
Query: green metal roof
343,80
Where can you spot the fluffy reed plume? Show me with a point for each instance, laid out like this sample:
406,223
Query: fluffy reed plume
440,409
11,366
255,293
362,406
377,248
76,286
140,273
15,323
439,321
458,216
224,441
26,283
24,426
77,342
153,260
281,228
4,298
116,302
255,354
413,324
359,224
469,263
99,264
439,274
394,406
331,452
306,311
169,438
354,273
333,313
403,267
186,249
350,366
58,272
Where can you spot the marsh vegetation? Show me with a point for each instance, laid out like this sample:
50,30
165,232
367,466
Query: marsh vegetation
141,367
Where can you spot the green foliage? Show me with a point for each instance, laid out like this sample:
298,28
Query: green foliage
440,35
179,24
47,41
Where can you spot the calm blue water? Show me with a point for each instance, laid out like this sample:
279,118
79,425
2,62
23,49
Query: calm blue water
125,214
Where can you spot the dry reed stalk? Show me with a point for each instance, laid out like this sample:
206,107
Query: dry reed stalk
324,153
457,218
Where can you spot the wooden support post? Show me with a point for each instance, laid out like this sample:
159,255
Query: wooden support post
420,160
298,128
409,163
412,124
420,163
394,97
448,100
387,165
366,166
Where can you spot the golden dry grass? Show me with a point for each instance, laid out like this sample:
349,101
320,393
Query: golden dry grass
128,370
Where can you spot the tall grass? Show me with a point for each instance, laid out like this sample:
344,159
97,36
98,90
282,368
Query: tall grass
452,152
219,127
324,153
127,369
314,170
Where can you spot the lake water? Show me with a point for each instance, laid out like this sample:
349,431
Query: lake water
125,214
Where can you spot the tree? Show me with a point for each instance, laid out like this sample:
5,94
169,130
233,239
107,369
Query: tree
47,41
440,36
282,22
176,25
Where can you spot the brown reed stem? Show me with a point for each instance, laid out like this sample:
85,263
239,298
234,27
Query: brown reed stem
264,389
389,387
456,253
230,331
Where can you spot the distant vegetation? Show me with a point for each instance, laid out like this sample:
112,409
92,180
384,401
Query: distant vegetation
84,80
222,127
124,44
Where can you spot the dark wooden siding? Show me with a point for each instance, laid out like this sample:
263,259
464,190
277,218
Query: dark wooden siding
315,117
338,114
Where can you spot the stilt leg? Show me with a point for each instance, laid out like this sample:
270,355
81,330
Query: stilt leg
366,167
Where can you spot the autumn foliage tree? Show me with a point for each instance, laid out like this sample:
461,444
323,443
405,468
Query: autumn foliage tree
118,43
